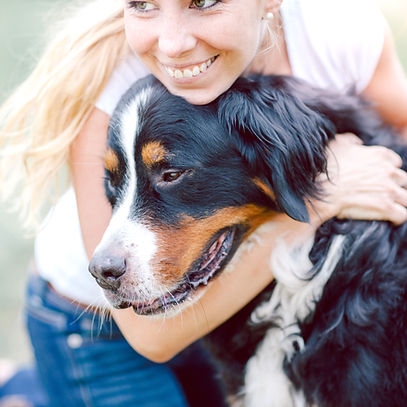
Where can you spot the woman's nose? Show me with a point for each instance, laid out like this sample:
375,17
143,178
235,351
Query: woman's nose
175,38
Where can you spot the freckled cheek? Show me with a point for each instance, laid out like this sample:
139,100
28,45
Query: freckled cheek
141,39
241,45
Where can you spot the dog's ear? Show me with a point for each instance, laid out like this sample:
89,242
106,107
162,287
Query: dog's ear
281,139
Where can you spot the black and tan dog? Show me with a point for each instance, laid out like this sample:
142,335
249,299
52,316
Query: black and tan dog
188,184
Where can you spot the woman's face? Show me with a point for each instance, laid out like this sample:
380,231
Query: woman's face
196,48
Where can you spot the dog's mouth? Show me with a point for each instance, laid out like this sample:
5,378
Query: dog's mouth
210,264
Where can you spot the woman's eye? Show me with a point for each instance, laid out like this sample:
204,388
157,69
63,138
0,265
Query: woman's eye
171,176
141,6
203,4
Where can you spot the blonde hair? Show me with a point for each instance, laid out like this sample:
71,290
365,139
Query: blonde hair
45,113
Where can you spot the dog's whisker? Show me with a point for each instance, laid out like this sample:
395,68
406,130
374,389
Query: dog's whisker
84,311
93,325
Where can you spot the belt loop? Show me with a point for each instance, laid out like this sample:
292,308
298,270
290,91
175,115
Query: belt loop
37,288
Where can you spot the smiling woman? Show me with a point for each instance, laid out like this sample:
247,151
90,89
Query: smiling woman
197,49
187,47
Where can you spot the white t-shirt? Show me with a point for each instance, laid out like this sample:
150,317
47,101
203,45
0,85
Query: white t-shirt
333,44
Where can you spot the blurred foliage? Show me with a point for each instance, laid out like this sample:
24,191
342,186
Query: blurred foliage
22,24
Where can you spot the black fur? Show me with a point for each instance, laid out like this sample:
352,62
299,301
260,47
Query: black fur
277,129
355,352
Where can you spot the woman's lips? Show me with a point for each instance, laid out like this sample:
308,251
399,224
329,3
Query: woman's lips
190,71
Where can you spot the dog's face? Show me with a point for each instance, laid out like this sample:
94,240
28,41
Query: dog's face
184,196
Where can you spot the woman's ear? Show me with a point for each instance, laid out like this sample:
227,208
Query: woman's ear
272,6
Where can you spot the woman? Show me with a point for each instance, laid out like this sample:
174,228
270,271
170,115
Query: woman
196,49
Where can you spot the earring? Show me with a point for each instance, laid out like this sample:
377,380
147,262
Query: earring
268,16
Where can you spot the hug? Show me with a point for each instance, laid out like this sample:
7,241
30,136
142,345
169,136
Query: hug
188,186
217,203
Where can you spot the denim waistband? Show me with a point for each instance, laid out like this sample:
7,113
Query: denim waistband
64,313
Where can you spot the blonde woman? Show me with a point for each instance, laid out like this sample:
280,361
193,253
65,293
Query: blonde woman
196,48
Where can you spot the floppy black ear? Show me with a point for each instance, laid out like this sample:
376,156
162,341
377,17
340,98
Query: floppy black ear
281,139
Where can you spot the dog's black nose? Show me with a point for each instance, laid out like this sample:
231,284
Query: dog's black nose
107,271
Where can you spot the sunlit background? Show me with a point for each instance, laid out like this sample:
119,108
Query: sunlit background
22,23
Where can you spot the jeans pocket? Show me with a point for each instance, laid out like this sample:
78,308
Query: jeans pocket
35,308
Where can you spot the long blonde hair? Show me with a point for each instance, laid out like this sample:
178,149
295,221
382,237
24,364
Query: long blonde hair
42,117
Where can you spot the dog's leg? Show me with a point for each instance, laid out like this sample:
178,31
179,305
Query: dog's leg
293,299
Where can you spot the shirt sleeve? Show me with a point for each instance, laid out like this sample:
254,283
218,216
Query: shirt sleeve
334,44
354,40
124,75
365,39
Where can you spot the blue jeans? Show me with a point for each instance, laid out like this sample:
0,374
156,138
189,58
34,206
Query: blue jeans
84,361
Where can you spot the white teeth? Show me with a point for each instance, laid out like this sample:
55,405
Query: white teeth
189,73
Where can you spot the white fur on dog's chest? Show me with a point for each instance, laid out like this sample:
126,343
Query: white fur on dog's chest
294,298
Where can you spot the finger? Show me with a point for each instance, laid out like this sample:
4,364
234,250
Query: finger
401,196
394,158
349,138
389,155
360,213
398,214
400,177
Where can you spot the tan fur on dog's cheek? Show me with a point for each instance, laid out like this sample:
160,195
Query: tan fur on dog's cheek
180,247
167,271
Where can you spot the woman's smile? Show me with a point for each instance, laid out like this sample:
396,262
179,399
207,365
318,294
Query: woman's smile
188,71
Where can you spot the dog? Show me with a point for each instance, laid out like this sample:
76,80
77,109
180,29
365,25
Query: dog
191,185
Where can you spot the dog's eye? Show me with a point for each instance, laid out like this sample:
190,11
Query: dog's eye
171,176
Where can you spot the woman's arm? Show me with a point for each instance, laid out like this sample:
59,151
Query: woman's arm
388,87
160,339
86,161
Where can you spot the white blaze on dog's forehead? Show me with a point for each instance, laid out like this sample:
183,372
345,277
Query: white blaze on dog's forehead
129,129
134,238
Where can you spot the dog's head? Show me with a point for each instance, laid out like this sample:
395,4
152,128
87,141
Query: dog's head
188,183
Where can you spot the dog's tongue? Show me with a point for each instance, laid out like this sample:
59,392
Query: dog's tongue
212,252
212,261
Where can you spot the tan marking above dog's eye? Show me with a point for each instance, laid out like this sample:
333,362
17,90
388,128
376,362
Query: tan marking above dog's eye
111,160
153,153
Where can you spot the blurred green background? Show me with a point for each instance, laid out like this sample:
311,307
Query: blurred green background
22,25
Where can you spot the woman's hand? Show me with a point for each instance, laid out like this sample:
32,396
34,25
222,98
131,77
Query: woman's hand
363,183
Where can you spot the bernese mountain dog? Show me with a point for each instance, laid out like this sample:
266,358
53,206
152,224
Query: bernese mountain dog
190,186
